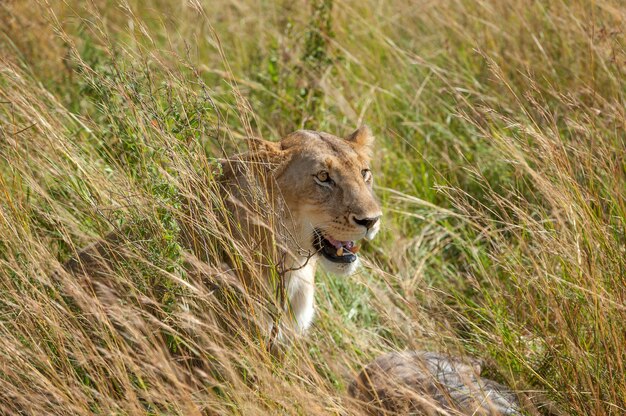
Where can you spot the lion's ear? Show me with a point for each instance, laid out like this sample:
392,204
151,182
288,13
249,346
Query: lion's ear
361,138
260,146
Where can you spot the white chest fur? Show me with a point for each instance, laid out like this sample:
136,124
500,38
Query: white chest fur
301,295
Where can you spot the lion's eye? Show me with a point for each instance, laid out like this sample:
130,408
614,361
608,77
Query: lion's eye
323,178
367,175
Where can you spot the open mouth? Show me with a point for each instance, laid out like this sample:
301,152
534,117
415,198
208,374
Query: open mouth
335,250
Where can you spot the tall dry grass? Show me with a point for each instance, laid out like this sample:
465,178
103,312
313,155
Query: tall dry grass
500,164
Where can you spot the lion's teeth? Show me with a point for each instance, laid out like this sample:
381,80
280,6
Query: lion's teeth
340,251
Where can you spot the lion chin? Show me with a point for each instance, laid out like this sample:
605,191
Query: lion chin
340,269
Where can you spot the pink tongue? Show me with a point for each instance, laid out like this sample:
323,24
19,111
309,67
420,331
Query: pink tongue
339,244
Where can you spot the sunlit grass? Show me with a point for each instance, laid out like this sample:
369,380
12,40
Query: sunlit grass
499,161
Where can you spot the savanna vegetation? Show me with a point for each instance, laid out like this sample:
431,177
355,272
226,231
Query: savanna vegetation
500,162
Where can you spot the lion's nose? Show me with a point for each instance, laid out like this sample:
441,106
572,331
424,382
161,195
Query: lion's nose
365,222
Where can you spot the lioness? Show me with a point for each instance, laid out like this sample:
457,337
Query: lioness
320,188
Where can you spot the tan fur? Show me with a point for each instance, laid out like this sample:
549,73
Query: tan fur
285,171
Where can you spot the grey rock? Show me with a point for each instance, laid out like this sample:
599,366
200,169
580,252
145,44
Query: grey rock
429,383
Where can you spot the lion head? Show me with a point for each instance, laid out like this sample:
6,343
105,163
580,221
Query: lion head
326,184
